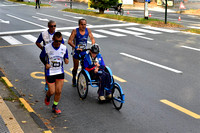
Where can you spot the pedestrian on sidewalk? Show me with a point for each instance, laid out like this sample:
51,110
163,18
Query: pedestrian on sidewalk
37,2
77,39
46,37
52,56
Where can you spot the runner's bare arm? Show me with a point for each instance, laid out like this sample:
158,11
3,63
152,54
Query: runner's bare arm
71,38
66,61
91,36
39,45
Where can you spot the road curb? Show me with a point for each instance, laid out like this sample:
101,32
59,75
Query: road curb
32,113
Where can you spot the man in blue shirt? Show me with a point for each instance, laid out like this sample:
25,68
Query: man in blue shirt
78,41
47,37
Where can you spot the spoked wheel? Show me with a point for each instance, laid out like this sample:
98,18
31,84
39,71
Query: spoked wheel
116,11
121,12
82,85
117,97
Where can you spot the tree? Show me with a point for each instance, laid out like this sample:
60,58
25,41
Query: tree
102,5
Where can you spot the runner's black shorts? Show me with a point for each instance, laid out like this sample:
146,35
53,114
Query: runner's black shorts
53,78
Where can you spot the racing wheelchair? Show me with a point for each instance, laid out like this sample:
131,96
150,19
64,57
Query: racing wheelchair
85,79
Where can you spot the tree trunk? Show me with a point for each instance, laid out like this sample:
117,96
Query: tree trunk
101,10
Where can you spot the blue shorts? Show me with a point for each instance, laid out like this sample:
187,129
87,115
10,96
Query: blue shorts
76,54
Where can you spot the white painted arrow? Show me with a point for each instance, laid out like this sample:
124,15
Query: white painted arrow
3,21
42,19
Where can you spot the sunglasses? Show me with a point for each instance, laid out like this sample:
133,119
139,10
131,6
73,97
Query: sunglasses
58,41
52,26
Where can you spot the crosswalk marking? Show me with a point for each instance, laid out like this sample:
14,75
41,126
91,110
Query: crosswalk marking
66,33
30,37
161,29
110,33
11,40
128,32
144,30
98,35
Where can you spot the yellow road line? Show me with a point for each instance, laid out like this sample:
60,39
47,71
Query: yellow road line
33,74
7,82
68,73
186,111
15,45
47,131
115,77
26,105
119,79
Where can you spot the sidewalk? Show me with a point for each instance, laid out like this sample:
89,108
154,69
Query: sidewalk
14,118
154,7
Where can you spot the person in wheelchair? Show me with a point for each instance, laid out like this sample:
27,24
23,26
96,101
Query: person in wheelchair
94,64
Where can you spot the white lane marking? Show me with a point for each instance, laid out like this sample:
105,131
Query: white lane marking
194,27
72,16
112,25
63,28
11,40
4,21
190,48
66,33
9,5
144,30
30,37
98,35
25,21
128,32
161,29
147,38
57,18
152,63
42,19
110,33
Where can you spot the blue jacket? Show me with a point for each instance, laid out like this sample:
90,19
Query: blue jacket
89,62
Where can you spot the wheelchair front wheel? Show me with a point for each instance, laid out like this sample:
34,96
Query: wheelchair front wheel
82,85
117,97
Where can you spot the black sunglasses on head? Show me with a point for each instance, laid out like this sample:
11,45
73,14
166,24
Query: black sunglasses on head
52,26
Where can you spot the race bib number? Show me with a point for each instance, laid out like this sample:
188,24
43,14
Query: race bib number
56,64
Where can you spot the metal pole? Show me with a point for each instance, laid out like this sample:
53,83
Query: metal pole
70,4
165,11
146,13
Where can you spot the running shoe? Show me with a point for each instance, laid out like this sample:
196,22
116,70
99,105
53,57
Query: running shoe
46,87
102,98
56,110
109,96
46,102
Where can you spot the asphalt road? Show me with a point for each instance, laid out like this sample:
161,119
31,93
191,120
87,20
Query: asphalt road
158,71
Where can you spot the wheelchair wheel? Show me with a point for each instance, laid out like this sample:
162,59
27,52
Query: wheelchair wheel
121,12
117,97
82,85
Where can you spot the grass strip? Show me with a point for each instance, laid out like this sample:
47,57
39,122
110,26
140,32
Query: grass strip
30,3
150,21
